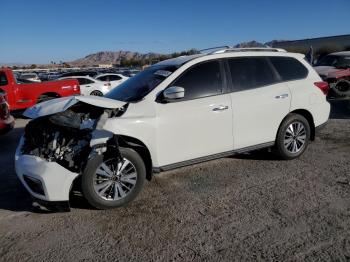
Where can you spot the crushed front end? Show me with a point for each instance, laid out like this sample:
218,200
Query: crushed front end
56,147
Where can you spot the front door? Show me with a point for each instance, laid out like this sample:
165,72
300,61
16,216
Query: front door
200,124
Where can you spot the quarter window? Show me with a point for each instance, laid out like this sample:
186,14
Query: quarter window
289,68
114,78
251,72
201,80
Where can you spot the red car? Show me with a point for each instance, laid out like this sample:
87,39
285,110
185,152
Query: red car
6,120
23,95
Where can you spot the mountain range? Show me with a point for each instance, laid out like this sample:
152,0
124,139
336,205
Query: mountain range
118,57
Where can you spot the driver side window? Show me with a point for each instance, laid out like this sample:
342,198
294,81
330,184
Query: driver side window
201,80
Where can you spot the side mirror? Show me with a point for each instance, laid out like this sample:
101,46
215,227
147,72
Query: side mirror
174,92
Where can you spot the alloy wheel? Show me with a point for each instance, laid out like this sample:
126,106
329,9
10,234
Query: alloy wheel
115,182
295,137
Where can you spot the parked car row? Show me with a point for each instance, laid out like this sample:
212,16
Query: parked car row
54,75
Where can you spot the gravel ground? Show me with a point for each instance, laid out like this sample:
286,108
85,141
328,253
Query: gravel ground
248,207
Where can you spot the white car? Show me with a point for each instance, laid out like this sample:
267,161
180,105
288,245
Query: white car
33,77
90,86
175,113
114,79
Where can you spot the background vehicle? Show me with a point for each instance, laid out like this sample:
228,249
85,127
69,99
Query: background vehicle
131,73
332,62
113,79
335,69
30,76
7,122
49,76
80,73
90,86
23,95
175,113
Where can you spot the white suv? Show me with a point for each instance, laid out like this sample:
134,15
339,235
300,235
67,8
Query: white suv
175,113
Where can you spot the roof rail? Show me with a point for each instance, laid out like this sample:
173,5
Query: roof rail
248,49
212,48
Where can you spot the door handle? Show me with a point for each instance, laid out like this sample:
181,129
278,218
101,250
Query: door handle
220,108
281,96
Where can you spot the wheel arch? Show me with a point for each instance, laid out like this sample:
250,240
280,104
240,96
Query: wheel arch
140,148
49,94
305,113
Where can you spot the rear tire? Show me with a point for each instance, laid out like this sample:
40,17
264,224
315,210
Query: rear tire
105,187
293,137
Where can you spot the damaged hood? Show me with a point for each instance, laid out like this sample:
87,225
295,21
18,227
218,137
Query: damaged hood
62,104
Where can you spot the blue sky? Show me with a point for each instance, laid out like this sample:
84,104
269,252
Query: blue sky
38,31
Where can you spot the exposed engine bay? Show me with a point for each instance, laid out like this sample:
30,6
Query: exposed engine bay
69,137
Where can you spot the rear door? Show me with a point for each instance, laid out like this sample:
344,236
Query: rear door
260,100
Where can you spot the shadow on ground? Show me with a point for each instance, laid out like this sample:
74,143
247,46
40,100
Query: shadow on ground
13,196
340,109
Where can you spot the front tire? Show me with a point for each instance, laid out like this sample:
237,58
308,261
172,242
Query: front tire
108,184
293,137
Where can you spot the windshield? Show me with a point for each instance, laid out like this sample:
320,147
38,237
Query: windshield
137,87
335,61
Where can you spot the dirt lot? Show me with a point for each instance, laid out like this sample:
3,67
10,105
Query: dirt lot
248,207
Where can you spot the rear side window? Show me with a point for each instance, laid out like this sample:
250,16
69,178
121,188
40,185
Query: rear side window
3,79
83,81
114,78
289,68
201,80
251,72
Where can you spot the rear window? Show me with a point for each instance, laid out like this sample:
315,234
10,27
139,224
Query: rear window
289,68
251,72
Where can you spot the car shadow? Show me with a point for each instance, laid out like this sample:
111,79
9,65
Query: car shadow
340,108
262,154
13,196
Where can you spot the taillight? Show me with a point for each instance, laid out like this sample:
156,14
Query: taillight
76,88
324,86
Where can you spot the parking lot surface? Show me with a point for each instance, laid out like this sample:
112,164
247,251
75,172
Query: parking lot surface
246,207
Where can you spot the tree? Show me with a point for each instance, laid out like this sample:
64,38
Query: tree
33,66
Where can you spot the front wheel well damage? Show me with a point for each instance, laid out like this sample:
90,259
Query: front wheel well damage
141,149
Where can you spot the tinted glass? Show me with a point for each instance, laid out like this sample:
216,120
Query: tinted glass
114,78
337,61
3,79
82,81
103,78
201,80
289,68
137,87
251,72
88,81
